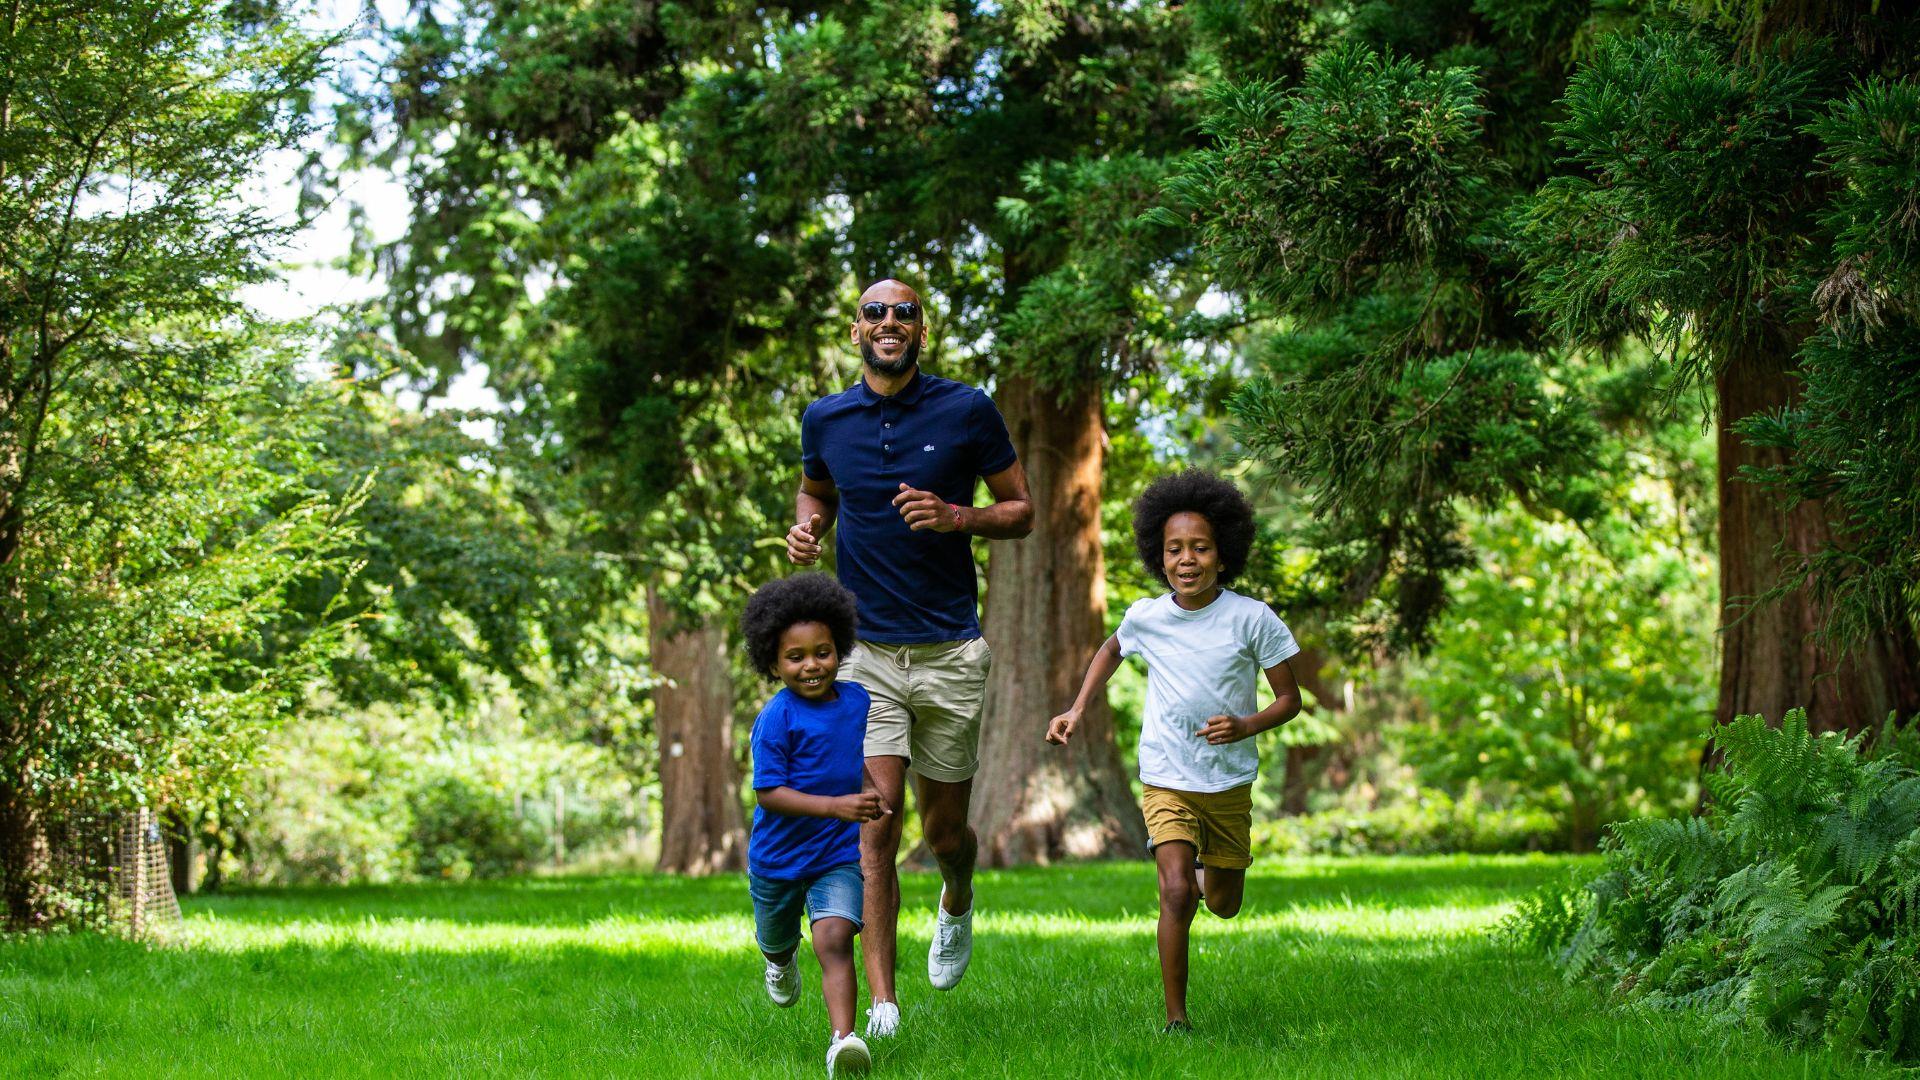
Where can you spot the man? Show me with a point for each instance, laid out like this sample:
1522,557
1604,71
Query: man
895,459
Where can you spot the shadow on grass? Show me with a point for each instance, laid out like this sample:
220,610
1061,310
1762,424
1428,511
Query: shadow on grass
1266,1002
1092,890
657,976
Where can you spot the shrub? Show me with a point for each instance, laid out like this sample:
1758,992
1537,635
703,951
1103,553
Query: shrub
1434,823
461,830
1793,904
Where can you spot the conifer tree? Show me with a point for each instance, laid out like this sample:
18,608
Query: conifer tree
1448,196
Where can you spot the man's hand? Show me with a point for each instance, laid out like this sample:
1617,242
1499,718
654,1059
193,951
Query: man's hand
865,806
803,542
1062,727
1223,729
923,510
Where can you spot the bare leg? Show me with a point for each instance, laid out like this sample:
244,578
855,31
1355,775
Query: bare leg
833,946
1224,890
783,959
1179,899
943,820
879,851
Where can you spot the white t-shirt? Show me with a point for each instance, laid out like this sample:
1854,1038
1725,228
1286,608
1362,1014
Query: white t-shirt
1201,664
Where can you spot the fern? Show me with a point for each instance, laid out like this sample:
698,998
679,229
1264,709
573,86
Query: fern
1793,905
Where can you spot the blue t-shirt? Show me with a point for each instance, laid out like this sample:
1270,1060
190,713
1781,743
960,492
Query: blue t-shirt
814,748
937,435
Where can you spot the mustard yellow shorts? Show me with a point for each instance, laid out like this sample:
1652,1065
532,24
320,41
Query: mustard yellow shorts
927,701
1219,824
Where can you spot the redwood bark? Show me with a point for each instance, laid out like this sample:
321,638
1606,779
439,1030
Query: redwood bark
1045,616
1298,782
1771,660
702,830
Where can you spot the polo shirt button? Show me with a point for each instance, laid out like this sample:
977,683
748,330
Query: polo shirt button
887,424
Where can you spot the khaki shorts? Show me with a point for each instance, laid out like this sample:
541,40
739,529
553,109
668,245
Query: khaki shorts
926,703
1219,824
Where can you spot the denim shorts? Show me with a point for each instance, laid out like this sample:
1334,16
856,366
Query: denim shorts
837,892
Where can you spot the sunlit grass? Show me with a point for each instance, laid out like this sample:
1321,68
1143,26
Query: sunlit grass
1337,968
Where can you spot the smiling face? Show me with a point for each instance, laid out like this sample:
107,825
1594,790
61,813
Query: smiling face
807,660
1191,560
890,347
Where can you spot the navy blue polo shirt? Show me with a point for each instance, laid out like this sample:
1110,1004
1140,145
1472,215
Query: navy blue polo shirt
937,435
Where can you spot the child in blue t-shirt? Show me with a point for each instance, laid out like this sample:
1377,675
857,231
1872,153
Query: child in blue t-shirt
808,768
1205,646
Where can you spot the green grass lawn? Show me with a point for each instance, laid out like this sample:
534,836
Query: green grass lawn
1364,967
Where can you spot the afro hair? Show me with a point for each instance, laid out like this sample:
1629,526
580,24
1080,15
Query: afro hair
1200,493
801,598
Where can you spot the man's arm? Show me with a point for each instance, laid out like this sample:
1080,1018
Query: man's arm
1008,517
814,509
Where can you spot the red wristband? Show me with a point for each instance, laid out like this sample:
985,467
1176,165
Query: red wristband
955,507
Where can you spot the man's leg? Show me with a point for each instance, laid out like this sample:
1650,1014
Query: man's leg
943,816
879,854
943,821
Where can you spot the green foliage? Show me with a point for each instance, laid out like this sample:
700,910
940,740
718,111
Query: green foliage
155,520
1474,425
1365,204
1741,192
1570,672
1870,143
460,830
1683,214
1793,905
1854,435
1431,822
1368,169
440,786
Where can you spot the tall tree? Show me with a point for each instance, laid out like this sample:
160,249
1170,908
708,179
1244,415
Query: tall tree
152,514
1700,214
964,141
777,158
1406,205
602,262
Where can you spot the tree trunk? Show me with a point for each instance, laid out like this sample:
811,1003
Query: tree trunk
179,838
23,864
1770,659
1298,782
1045,616
701,828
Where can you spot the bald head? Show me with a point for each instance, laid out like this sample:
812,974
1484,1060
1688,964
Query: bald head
889,327
890,291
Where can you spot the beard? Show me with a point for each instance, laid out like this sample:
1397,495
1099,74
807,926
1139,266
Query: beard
898,367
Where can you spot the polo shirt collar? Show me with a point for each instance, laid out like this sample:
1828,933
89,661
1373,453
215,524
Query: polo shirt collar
908,395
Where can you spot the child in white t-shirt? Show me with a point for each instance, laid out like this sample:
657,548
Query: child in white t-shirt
1204,646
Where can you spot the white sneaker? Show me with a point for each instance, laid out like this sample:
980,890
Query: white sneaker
952,946
883,1020
848,1054
783,981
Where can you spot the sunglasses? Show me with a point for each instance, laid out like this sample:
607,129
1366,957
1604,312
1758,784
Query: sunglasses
874,311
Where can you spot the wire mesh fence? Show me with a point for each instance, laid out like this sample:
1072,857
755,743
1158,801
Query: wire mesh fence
90,871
